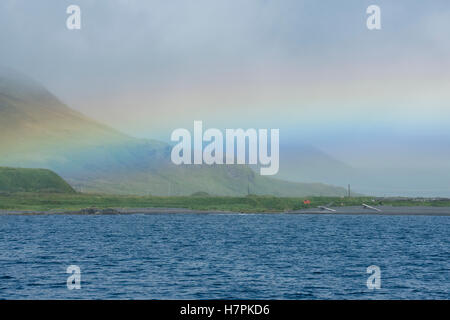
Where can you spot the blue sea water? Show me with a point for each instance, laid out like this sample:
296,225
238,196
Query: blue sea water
224,256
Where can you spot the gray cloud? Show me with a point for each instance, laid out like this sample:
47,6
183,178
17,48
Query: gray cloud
122,42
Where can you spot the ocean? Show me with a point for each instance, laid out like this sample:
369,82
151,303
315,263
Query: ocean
224,256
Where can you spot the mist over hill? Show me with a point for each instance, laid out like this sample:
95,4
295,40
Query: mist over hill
37,130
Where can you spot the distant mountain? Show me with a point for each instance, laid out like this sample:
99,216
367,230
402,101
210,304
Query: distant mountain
32,180
39,131
303,162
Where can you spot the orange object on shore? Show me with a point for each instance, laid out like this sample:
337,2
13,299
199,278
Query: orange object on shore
306,202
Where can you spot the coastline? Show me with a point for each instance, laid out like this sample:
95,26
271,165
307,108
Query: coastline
345,210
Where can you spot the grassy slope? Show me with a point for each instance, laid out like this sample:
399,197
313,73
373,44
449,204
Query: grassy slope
39,131
67,202
32,180
220,180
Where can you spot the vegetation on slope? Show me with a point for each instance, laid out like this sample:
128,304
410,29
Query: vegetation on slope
32,180
78,201
37,130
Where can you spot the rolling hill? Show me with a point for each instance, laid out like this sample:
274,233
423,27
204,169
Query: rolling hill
32,180
39,131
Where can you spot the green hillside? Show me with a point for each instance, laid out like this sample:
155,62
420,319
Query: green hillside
221,180
39,131
32,180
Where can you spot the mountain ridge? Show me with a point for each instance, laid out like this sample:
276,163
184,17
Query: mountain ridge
39,131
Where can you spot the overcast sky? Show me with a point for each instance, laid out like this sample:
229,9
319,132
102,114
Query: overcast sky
310,68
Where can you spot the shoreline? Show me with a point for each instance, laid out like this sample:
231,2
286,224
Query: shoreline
346,210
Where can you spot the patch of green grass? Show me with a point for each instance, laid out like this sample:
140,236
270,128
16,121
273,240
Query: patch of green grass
32,180
77,201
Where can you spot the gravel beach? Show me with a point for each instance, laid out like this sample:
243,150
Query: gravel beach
353,210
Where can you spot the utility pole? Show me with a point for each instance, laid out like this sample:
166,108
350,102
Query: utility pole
349,194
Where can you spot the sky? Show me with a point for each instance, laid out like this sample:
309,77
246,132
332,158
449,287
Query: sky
309,68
